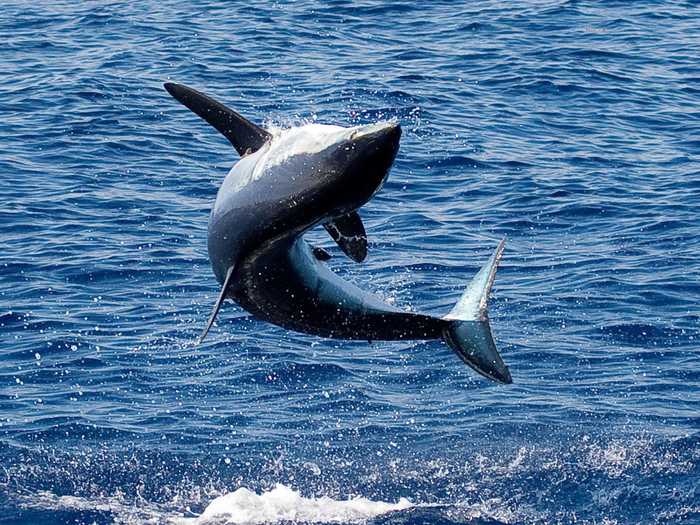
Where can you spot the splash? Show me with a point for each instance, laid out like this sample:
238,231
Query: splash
283,504
241,507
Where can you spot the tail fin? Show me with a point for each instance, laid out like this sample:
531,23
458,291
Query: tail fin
468,332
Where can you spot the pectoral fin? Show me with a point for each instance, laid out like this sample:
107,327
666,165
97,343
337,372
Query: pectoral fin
349,232
217,305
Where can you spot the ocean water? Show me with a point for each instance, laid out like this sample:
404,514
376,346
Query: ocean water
570,128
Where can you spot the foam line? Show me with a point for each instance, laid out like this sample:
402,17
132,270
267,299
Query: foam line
283,504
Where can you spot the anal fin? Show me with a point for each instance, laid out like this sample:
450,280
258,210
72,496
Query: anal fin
217,305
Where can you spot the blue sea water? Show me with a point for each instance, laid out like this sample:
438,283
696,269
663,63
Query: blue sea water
570,127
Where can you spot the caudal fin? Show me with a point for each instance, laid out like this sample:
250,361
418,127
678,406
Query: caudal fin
468,331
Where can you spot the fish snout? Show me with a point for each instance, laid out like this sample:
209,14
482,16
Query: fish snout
372,150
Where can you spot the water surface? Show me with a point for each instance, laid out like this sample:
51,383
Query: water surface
571,128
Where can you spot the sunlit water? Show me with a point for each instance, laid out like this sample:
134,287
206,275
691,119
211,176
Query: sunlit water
571,128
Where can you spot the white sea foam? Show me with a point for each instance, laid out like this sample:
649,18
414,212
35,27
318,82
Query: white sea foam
241,507
284,504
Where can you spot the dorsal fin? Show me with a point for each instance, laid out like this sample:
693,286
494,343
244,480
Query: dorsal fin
349,232
245,136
